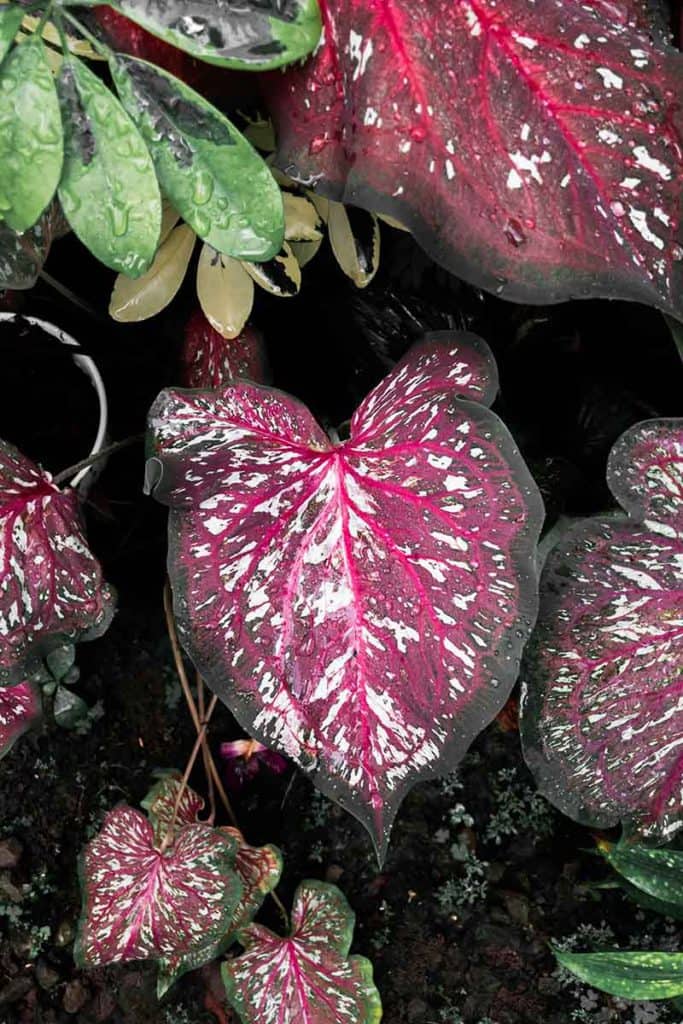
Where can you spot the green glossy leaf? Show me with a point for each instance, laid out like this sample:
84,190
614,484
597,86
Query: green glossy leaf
647,902
657,872
108,190
252,35
211,174
31,145
10,20
646,975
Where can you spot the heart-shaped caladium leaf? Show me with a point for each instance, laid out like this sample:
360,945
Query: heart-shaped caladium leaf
20,706
51,586
602,720
143,902
307,976
209,360
532,148
360,605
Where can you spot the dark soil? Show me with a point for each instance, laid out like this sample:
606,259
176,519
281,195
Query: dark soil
481,873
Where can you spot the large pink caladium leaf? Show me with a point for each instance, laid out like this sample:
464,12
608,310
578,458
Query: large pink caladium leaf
533,149
51,586
143,902
20,706
209,360
602,718
360,605
308,975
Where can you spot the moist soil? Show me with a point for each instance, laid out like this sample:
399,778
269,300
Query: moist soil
482,874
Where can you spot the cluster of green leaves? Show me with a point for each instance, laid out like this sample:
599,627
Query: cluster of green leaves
654,879
108,159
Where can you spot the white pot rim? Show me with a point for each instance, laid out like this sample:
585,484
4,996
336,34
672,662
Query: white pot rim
89,368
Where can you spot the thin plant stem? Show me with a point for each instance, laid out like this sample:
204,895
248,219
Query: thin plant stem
205,753
96,43
168,838
66,474
178,657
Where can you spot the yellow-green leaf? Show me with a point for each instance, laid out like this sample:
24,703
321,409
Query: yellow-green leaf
138,299
225,291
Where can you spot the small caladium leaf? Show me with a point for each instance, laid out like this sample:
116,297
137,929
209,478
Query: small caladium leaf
136,299
600,723
628,975
361,605
253,35
307,976
11,17
51,586
658,873
20,706
210,172
209,360
225,292
109,190
31,143
532,149
173,901
160,805
22,255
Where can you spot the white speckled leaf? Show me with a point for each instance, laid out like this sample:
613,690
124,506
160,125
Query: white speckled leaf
307,976
602,721
20,706
140,903
51,586
361,606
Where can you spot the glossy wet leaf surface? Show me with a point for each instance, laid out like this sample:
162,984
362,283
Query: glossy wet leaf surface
51,586
308,975
212,175
135,299
108,190
631,975
171,902
533,149
657,872
20,706
602,717
360,606
252,34
31,146
209,360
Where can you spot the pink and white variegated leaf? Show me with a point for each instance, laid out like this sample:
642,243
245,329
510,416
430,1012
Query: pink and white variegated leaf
602,720
141,902
533,149
361,606
209,360
51,586
259,869
160,805
308,975
20,706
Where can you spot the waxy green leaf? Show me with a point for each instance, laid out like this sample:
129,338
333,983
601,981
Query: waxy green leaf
108,190
31,144
657,872
646,975
10,20
253,35
212,175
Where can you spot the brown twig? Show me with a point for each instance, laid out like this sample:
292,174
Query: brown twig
168,838
206,754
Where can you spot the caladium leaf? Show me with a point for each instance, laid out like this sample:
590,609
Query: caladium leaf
140,902
630,975
532,149
252,34
601,721
20,706
210,360
108,189
51,586
210,172
160,805
361,606
31,142
307,976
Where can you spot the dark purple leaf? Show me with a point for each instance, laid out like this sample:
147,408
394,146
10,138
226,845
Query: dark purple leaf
51,586
141,903
210,360
534,149
602,718
20,706
361,606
